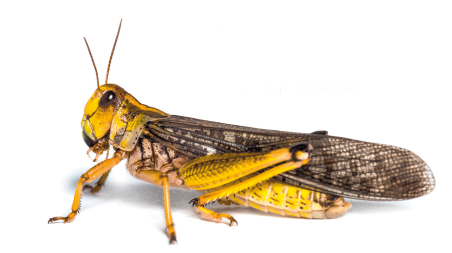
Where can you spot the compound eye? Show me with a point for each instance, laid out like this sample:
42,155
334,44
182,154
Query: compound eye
107,98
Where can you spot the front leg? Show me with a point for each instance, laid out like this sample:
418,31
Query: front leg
93,173
99,184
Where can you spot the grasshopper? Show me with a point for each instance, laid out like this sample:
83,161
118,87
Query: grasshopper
295,174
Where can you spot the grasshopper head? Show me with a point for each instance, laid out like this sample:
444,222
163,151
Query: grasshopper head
99,112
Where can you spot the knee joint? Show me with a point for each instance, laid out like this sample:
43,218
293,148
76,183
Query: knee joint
85,177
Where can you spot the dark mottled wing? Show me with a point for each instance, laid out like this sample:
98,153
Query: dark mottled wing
338,166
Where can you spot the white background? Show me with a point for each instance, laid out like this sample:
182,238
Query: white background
378,72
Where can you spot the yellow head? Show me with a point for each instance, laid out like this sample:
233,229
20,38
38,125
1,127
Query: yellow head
108,111
102,106
99,112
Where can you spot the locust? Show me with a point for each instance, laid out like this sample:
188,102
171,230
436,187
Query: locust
285,173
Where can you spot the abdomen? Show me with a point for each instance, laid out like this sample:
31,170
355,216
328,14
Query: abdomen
284,199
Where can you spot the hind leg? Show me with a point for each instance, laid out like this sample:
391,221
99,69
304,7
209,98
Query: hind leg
210,170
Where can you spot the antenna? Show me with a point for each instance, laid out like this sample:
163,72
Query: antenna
112,51
94,64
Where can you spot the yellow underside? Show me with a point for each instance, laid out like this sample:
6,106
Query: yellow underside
279,198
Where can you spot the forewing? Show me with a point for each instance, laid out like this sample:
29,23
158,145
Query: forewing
363,170
338,166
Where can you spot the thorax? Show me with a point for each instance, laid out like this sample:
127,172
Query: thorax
149,155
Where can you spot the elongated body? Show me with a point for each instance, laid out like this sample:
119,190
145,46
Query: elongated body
295,174
302,175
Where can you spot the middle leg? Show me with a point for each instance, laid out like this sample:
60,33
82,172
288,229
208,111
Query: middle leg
161,179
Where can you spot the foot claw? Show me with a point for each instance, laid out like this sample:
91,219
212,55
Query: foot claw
232,221
68,218
58,218
194,201
172,239
171,234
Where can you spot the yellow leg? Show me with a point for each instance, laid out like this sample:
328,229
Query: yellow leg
211,215
167,208
212,171
87,177
293,157
212,196
160,178
99,184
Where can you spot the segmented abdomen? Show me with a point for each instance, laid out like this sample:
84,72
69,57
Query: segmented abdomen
284,199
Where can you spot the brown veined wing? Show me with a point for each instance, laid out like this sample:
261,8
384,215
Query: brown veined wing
338,166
